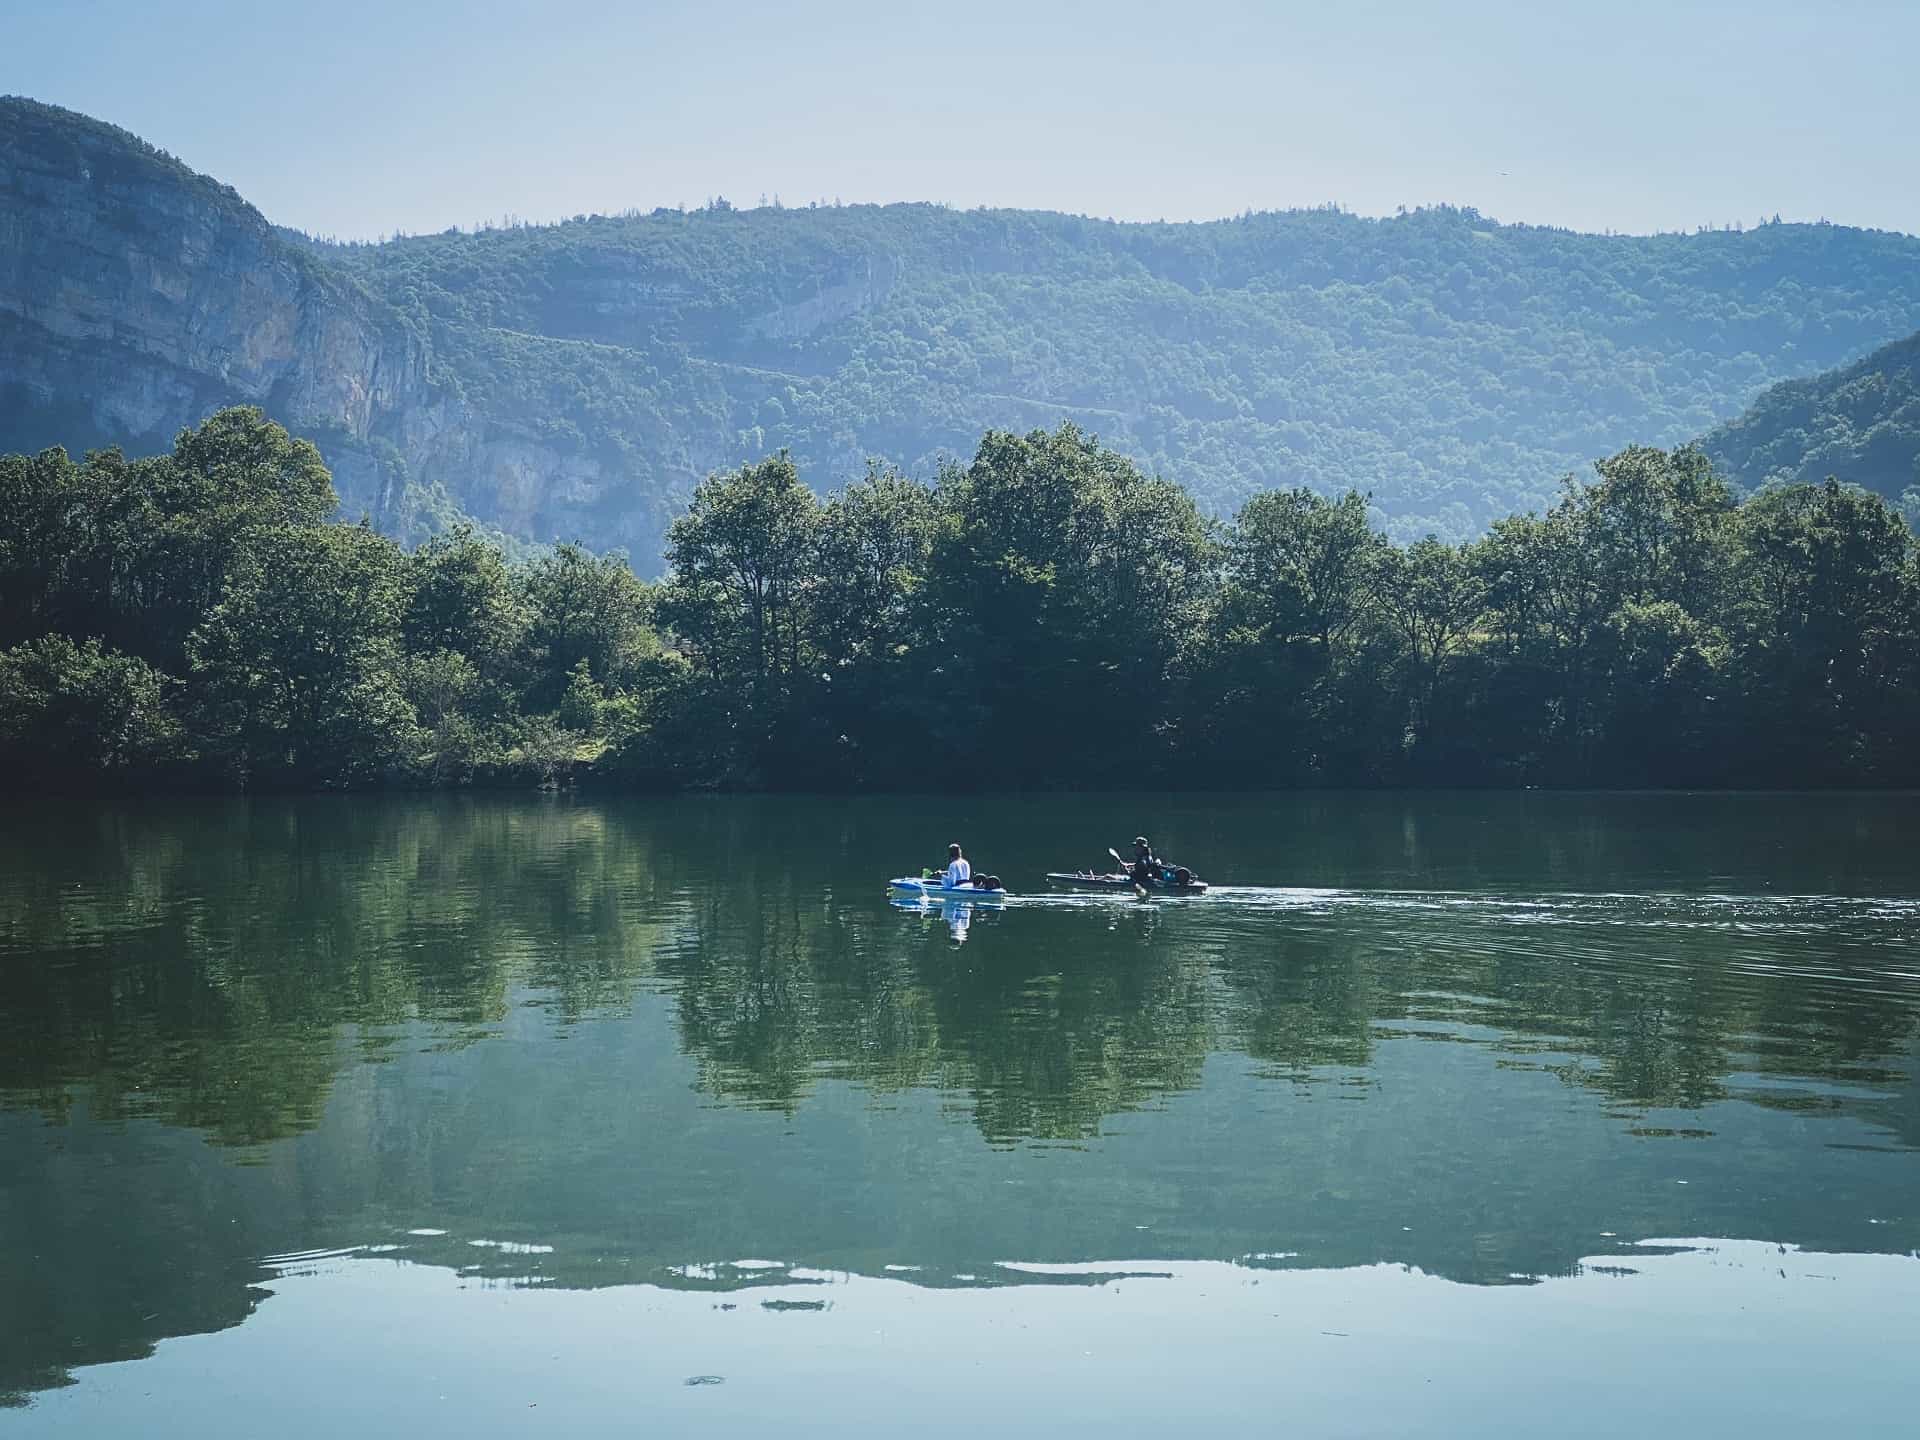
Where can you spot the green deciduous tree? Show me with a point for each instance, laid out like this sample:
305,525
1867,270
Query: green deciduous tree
296,671
82,711
461,597
585,609
1431,595
187,518
741,558
1823,625
42,538
1063,586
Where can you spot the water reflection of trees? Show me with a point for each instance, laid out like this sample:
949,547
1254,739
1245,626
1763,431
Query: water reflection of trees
215,966
215,969
774,994
1084,1018
1645,1021
219,967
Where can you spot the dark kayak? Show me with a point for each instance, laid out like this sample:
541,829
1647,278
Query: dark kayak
1121,883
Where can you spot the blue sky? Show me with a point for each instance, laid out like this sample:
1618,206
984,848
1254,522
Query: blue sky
358,119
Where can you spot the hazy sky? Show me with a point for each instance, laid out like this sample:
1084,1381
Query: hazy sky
357,119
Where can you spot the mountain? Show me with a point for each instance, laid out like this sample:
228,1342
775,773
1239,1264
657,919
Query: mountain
575,380
1859,423
137,297
1454,368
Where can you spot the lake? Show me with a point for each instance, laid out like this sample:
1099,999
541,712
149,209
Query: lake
1442,1114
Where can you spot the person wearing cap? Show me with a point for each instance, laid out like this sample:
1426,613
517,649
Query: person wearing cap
1146,866
958,871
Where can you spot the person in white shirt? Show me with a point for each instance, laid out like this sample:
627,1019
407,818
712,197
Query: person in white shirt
958,871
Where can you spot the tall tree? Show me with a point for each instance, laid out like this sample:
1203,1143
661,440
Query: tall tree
1302,566
43,535
865,624
740,557
295,672
1064,583
82,712
585,608
1659,524
1823,620
1431,594
229,480
461,596
1300,577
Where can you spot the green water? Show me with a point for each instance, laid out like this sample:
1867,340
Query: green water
1441,1114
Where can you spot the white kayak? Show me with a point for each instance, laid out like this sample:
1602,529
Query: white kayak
936,890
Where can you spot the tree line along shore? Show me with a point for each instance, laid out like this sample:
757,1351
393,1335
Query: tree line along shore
1043,616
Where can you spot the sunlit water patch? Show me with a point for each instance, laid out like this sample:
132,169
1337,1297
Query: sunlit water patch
1692,1336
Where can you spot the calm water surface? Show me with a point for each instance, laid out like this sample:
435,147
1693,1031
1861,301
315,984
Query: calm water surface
1441,1115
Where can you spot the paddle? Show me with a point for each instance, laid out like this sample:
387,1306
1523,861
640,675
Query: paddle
1139,890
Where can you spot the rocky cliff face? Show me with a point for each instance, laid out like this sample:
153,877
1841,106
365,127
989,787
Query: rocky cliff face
136,294
869,286
136,297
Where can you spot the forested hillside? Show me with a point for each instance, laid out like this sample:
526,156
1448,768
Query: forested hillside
1860,423
1452,368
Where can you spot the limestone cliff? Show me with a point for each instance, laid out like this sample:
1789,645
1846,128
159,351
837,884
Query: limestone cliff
137,296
